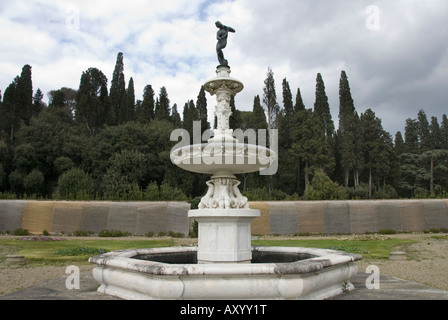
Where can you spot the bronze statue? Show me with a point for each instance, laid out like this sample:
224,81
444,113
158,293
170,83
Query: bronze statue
222,35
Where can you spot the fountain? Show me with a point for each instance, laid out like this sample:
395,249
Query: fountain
224,265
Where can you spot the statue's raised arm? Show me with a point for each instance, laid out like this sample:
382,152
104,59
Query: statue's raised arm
222,36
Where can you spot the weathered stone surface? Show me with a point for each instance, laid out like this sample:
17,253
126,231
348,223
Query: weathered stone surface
38,216
260,225
123,217
435,213
363,216
388,215
15,259
283,218
275,218
67,216
317,278
412,217
337,217
151,217
11,213
311,217
95,216
177,217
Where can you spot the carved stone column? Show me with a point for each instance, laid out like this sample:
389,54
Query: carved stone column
223,216
224,87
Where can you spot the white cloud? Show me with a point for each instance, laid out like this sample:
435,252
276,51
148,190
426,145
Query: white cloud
395,69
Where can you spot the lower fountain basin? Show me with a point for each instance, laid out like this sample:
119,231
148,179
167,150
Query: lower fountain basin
275,273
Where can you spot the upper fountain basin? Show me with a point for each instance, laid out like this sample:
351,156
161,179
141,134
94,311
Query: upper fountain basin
226,157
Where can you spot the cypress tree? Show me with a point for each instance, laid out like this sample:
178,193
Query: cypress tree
310,145
17,103
10,114
378,148
286,163
270,100
258,117
299,101
322,108
190,115
175,117
24,94
130,101
287,99
444,132
399,144
423,132
118,91
201,105
349,146
411,137
235,120
145,112
93,107
37,102
435,134
163,110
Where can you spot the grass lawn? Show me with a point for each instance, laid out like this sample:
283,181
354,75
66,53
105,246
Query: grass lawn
77,251
44,252
376,249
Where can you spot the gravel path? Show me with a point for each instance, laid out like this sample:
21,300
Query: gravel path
427,264
427,261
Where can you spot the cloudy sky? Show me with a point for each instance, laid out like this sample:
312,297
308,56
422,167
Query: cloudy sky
395,52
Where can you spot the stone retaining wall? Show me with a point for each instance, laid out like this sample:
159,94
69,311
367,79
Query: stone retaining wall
65,216
349,217
330,217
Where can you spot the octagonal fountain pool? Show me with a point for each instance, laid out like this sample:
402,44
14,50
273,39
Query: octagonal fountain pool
275,273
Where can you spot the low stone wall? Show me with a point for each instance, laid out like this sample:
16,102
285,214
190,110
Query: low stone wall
65,216
331,217
349,217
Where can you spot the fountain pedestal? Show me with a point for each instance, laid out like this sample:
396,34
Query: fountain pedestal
224,234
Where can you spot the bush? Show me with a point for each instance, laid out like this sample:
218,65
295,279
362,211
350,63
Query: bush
175,234
113,233
359,192
168,193
387,231
194,203
322,188
386,192
152,192
20,232
82,233
75,184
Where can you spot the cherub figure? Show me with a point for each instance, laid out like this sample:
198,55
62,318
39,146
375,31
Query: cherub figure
207,202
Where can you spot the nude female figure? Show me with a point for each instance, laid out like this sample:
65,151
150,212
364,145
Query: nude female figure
222,36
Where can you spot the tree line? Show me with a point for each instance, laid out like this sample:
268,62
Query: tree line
96,142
